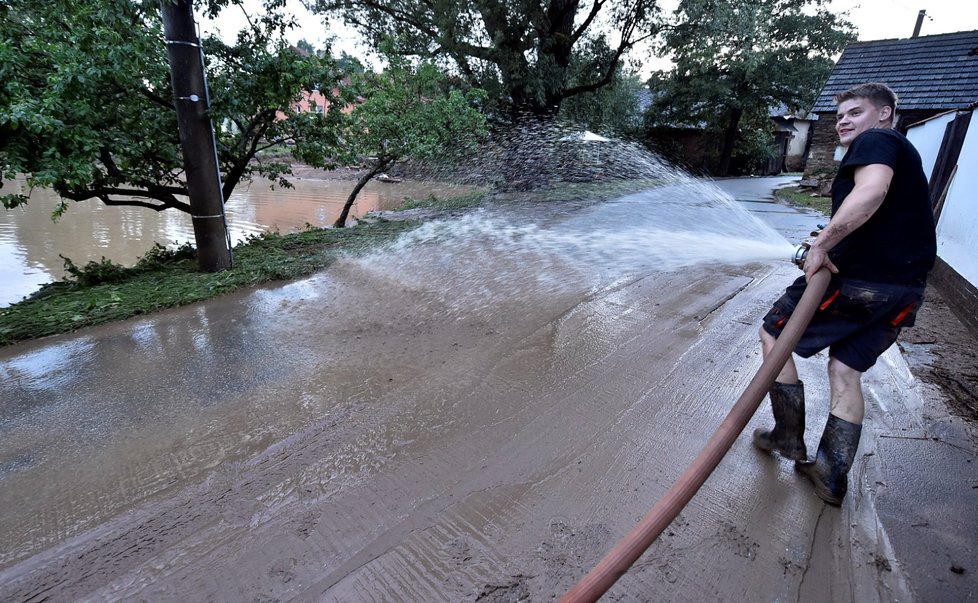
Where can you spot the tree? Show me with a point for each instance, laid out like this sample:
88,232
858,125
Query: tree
519,51
86,106
409,112
613,109
735,59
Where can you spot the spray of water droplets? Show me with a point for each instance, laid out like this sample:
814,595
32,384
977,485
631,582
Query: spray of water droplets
517,250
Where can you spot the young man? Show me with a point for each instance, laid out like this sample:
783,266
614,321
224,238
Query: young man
879,245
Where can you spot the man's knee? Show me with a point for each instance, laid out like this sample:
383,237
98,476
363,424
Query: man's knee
767,340
840,372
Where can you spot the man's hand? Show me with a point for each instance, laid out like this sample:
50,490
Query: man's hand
815,260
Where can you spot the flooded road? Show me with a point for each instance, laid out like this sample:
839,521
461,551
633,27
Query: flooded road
450,424
31,243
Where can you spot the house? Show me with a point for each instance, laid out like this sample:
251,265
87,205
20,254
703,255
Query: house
930,75
791,136
948,146
314,100
696,148
936,81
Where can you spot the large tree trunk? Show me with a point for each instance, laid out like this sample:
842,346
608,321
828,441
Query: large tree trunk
729,140
362,182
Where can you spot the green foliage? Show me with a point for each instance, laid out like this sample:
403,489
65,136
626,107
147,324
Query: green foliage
410,112
737,59
798,196
106,271
755,146
612,109
160,257
522,52
95,273
86,106
415,112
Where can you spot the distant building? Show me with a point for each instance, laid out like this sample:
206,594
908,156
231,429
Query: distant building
791,135
697,149
313,100
930,74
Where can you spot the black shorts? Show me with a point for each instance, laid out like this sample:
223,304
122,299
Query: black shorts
857,320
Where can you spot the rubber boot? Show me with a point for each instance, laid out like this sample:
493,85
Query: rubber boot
788,435
829,472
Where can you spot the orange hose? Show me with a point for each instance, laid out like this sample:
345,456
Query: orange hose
617,561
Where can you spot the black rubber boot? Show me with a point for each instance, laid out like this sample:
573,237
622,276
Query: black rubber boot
788,435
829,472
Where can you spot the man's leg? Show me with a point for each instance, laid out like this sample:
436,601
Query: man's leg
788,406
829,472
789,374
845,384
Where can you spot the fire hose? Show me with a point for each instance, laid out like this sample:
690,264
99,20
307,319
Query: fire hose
617,561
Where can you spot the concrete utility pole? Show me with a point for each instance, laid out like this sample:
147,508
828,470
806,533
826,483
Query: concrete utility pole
196,135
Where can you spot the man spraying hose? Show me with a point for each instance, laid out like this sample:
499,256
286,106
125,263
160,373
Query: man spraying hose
879,245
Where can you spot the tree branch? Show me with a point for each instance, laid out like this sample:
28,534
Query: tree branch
156,98
184,207
164,195
609,74
592,14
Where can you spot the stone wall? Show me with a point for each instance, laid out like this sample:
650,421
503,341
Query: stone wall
821,157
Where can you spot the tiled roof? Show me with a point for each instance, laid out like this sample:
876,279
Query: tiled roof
927,73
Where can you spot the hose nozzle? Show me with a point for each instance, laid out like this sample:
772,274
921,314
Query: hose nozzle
798,257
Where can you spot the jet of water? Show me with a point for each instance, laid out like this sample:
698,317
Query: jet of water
680,221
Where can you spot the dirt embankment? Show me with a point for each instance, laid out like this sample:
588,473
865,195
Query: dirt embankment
942,351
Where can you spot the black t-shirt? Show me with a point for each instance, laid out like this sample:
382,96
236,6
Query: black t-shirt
898,243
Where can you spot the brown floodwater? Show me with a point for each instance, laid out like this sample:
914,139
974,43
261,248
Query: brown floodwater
31,243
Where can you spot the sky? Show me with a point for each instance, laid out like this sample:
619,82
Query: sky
887,19
874,20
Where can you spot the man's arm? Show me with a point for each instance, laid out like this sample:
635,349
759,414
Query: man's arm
872,183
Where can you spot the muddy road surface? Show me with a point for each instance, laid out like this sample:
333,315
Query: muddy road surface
460,423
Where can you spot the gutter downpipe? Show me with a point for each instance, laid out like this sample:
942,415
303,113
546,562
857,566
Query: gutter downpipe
617,561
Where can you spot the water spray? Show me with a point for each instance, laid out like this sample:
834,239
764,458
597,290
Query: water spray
617,561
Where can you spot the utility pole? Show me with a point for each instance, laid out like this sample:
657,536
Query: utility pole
196,135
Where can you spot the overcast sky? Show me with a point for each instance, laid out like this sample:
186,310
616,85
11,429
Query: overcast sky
874,19
886,19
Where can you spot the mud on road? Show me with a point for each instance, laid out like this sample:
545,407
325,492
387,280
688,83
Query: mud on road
942,351
438,441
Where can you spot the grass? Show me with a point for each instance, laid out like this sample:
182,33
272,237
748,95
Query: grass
580,191
100,292
462,201
798,196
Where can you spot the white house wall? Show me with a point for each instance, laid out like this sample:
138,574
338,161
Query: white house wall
957,231
798,142
927,137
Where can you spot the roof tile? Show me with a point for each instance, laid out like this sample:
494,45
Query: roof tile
927,72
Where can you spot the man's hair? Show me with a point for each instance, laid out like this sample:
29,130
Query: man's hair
879,94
